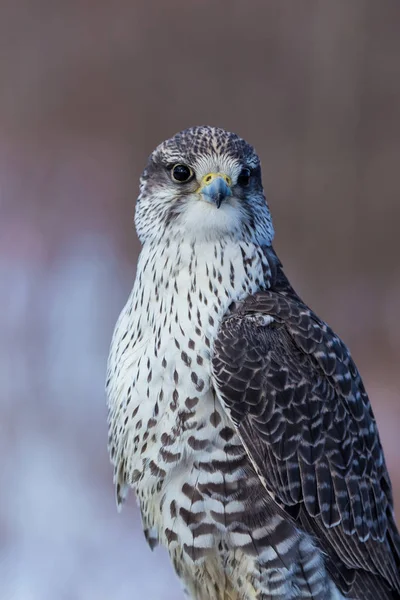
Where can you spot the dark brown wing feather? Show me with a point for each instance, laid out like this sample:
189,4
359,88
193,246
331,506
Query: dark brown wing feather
297,399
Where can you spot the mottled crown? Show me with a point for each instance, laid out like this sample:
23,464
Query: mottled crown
203,140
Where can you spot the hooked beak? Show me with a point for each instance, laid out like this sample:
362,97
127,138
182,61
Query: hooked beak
215,187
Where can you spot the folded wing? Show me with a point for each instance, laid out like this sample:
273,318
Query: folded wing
298,402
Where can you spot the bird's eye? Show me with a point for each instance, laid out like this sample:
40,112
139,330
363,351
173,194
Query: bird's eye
244,177
181,173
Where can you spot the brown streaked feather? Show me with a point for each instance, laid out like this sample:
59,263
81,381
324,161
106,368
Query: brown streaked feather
300,407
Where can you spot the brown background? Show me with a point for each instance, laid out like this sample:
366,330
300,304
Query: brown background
88,88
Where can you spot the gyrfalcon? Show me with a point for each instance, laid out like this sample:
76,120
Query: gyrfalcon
235,413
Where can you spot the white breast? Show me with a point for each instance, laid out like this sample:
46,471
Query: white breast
159,371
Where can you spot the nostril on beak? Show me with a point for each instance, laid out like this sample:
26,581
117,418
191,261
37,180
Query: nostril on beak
216,187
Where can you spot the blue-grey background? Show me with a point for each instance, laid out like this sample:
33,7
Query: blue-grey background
87,89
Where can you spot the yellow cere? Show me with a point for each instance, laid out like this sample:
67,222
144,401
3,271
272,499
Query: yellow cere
210,177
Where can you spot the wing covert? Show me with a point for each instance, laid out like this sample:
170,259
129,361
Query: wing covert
300,407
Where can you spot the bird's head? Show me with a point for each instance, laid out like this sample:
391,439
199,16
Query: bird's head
203,184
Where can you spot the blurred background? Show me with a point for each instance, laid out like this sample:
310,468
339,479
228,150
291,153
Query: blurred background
88,88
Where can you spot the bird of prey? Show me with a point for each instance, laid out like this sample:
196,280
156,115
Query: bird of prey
235,413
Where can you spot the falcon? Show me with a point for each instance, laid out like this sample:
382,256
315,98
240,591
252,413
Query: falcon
236,414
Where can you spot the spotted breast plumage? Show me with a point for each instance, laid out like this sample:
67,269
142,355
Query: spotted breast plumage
236,415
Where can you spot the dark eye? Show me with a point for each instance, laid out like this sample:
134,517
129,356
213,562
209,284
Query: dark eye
181,173
244,177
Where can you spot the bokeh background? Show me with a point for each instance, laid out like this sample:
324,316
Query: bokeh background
88,88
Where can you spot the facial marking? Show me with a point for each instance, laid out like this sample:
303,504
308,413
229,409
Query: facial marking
177,200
